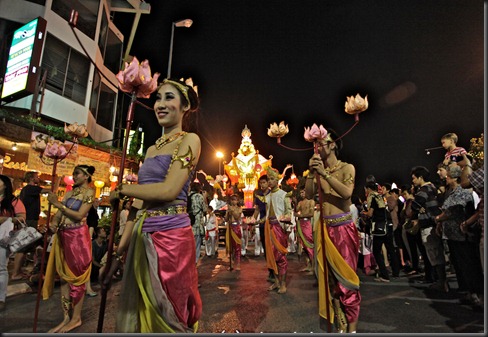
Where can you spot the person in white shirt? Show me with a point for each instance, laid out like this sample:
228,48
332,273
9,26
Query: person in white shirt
211,233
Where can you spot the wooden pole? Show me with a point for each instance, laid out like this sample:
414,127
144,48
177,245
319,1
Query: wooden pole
43,258
115,211
324,256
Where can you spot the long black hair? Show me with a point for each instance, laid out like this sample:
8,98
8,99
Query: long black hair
6,206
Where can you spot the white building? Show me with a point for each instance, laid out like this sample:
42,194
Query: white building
75,91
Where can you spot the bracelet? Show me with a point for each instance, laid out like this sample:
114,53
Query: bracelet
326,175
63,208
117,256
310,176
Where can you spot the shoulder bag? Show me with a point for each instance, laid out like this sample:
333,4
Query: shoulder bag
23,237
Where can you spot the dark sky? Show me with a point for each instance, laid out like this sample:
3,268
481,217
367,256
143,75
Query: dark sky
256,62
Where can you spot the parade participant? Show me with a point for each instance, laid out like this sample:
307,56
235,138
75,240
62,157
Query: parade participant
160,283
260,218
12,208
305,211
71,252
211,231
341,236
278,215
233,237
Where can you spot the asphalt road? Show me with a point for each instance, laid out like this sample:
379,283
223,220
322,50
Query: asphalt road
238,301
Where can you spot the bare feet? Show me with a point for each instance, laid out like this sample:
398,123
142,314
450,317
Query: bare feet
60,325
238,266
70,326
282,289
274,286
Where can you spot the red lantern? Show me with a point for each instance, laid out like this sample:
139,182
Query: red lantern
68,180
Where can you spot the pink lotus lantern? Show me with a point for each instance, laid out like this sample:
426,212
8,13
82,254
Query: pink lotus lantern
136,77
55,150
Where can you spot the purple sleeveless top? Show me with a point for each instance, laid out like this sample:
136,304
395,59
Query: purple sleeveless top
155,169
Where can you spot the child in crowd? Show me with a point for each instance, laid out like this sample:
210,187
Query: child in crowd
454,153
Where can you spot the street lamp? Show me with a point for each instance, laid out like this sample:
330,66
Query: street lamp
182,23
219,155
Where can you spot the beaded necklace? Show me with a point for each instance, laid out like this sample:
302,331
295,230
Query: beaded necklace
163,140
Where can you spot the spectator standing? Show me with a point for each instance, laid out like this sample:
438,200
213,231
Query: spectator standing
31,198
424,210
377,211
414,239
99,249
457,207
473,176
197,212
10,207
124,213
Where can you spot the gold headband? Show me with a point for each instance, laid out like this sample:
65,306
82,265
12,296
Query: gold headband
181,88
84,170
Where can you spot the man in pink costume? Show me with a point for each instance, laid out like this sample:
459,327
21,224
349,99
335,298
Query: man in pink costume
278,214
341,239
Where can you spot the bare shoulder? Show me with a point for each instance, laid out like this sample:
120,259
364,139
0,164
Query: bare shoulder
191,139
348,168
151,151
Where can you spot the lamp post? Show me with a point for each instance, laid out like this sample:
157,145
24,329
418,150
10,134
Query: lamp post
219,155
182,23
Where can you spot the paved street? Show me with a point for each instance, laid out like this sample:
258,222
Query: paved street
239,301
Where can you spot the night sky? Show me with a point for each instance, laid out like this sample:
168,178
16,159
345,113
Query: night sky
256,62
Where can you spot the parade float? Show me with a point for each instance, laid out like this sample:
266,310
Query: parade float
245,168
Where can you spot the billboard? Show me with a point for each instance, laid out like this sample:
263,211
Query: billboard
23,60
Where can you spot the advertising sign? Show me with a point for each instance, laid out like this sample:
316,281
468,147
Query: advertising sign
23,60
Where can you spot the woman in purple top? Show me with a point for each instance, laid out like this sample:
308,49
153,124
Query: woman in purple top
160,291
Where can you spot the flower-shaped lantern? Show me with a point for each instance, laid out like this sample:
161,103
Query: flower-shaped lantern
136,77
315,134
76,131
39,143
278,131
55,150
292,181
356,105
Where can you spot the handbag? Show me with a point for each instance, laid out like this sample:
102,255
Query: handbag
5,228
23,237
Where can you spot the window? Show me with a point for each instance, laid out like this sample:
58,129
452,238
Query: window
102,103
67,70
113,52
110,47
87,13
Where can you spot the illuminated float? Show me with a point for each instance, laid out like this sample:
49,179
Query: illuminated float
246,167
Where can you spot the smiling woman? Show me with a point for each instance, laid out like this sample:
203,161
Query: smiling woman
160,234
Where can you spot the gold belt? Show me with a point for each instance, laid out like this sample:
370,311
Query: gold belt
172,210
335,221
71,225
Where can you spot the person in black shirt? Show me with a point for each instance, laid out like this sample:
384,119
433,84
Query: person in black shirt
31,197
